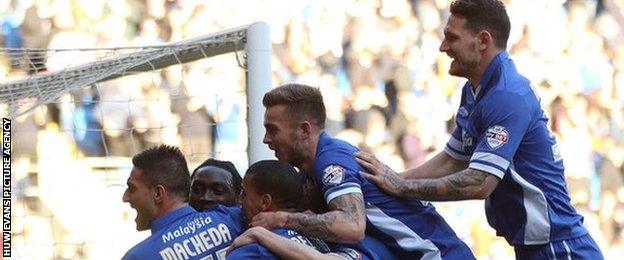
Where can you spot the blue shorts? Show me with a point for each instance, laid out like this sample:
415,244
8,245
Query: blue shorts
582,247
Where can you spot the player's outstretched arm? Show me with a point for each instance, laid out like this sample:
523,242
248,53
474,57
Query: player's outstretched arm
280,246
439,166
463,185
344,223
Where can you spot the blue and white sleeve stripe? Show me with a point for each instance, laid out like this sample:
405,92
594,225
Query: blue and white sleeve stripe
454,148
342,189
490,163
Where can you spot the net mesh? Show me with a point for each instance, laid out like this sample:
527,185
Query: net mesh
80,114
50,75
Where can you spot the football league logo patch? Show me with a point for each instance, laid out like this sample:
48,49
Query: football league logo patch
462,111
333,175
496,136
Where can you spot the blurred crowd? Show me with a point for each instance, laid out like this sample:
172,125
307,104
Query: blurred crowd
385,83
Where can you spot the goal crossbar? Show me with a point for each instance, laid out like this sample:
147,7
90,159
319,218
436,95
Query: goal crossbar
22,96
48,86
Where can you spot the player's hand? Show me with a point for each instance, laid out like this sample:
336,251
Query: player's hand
382,175
269,220
248,237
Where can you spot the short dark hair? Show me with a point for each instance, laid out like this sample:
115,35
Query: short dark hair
489,15
225,165
302,102
279,179
164,165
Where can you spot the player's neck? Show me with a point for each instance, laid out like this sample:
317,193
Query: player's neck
477,74
307,162
170,207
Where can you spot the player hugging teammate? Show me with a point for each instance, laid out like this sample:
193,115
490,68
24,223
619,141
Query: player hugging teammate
501,151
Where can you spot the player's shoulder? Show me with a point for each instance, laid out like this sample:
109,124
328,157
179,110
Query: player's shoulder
231,210
231,216
504,100
332,146
334,150
140,250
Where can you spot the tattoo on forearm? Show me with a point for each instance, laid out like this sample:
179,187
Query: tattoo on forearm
466,184
347,209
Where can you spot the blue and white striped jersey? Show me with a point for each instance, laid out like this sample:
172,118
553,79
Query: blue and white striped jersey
502,130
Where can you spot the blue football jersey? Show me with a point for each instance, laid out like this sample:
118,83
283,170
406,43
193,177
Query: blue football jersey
502,130
188,234
408,227
257,251
367,249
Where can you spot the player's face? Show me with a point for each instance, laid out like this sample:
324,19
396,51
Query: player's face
250,200
281,135
462,46
141,199
212,185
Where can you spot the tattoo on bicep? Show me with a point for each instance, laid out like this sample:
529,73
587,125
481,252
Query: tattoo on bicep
345,208
351,205
316,225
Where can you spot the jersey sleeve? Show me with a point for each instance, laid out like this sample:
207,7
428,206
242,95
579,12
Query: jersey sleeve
504,120
336,172
454,146
251,251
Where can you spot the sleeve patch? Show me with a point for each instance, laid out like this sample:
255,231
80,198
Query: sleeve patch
333,174
496,136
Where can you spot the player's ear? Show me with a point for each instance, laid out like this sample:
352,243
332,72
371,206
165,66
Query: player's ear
306,128
159,193
266,201
485,39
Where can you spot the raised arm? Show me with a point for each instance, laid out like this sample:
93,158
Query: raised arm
345,222
280,246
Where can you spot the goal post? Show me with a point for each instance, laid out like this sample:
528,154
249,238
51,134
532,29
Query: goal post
258,82
253,39
140,96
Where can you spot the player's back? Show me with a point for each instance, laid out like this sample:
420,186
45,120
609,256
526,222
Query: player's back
188,234
409,227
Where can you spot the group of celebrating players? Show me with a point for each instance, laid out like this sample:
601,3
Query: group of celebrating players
342,203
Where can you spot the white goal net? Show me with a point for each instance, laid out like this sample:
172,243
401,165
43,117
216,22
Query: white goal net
78,116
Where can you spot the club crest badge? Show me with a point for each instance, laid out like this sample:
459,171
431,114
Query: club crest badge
496,136
466,140
333,175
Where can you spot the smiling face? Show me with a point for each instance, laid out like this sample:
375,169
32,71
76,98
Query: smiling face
211,185
462,46
141,199
282,135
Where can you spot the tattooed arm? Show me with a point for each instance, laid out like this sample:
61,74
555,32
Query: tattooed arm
463,185
345,222
439,166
